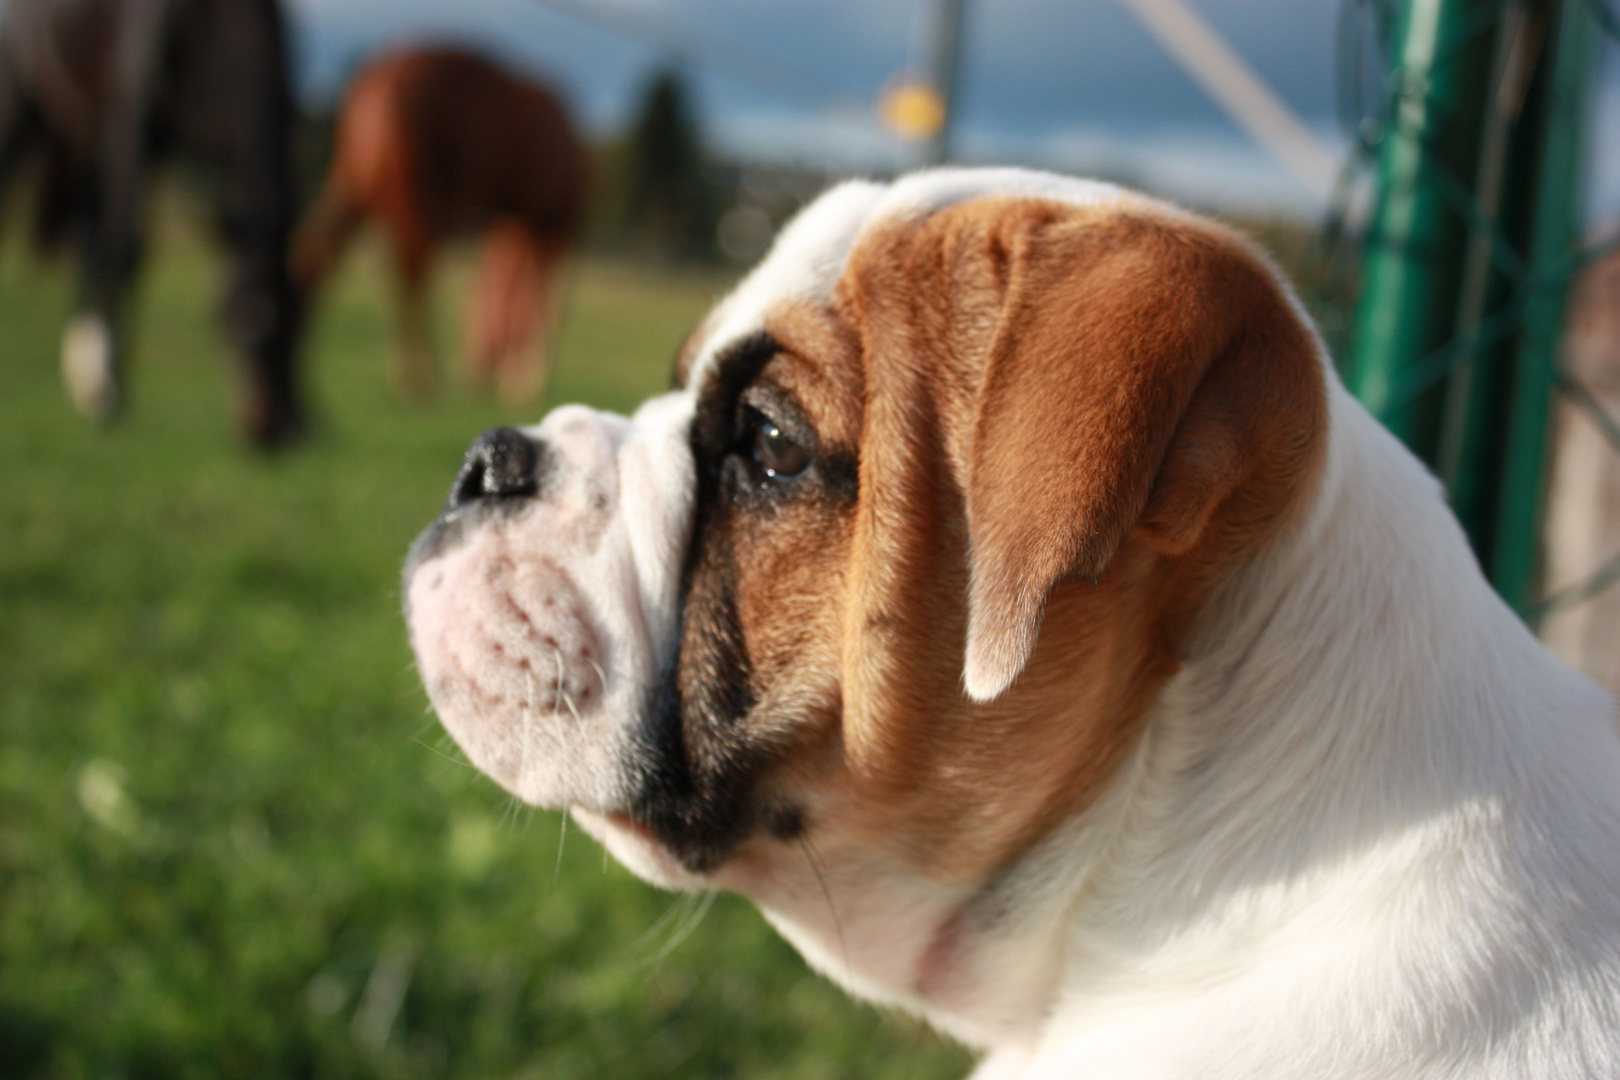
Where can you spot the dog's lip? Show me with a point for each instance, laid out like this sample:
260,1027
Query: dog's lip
618,820
630,825
637,846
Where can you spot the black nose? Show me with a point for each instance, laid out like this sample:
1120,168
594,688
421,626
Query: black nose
502,463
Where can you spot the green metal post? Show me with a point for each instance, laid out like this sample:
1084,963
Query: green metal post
1469,456
1514,564
1477,214
1442,57
945,55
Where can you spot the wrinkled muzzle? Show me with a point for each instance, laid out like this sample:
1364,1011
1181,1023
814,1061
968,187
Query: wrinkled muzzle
543,603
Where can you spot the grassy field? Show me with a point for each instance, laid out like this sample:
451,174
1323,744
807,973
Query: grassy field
232,841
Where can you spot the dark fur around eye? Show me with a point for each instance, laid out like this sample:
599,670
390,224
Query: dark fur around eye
732,412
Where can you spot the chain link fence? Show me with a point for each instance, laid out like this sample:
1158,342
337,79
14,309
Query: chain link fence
1473,308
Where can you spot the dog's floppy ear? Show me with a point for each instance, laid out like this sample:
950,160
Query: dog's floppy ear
1141,369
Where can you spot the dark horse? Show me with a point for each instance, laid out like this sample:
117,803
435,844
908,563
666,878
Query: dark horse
97,90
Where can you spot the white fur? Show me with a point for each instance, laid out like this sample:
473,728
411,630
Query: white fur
804,263
576,595
88,367
916,196
1371,829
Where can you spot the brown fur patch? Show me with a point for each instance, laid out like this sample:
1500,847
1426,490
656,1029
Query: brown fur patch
1085,418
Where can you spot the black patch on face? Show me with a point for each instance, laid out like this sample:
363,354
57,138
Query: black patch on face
832,477
693,795
698,794
785,823
840,475
714,424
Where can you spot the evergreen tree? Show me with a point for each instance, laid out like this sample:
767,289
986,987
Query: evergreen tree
667,193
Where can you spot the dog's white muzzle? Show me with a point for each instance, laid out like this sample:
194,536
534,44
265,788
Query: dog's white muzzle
544,614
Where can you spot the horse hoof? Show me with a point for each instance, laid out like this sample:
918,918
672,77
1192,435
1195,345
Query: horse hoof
88,370
275,429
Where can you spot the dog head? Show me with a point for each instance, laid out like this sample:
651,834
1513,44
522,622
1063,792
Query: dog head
881,594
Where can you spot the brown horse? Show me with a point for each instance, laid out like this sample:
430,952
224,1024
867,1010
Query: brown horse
433,143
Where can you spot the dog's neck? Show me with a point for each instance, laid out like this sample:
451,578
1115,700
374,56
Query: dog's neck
1354,704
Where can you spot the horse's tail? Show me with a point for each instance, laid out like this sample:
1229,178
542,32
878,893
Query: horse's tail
512,306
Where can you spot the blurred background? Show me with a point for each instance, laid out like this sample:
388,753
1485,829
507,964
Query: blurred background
266,269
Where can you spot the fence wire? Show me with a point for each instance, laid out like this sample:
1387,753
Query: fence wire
1372,88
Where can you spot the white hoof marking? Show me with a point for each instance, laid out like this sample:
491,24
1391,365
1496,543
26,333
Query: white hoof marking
87,367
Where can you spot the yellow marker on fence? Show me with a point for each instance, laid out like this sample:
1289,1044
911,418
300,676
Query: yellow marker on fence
911,108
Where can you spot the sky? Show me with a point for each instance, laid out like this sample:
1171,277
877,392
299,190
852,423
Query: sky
1075,85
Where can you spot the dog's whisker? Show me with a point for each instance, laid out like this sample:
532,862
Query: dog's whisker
526,718
562,840
682,903
440,753
684,931
826,893
563,696
514,807
600,674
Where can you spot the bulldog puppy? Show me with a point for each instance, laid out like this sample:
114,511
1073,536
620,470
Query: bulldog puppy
1011,602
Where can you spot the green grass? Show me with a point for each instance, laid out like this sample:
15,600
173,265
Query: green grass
230,837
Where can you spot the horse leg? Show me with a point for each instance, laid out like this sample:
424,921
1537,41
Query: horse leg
323,236
416,372
493,304
93,344
92,352
526,363
263,315
14,128
231,110
263,307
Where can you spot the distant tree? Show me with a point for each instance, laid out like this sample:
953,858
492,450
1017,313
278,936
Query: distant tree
667,191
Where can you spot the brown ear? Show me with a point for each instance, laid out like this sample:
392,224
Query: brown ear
1141,370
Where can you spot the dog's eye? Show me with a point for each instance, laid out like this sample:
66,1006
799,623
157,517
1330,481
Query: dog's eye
777,455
